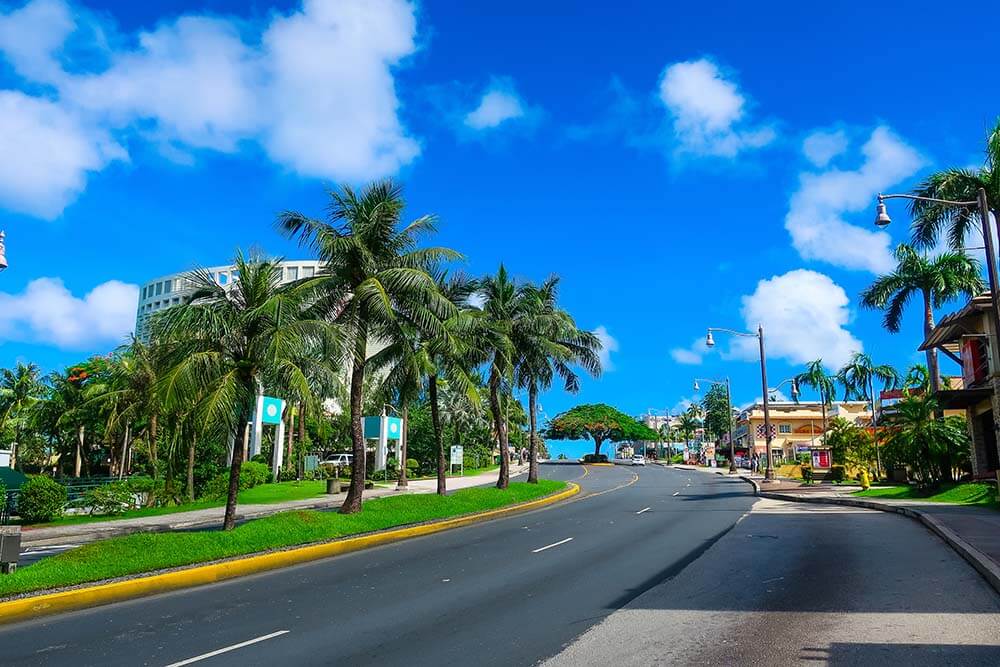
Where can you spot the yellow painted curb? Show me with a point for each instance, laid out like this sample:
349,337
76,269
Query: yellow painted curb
92,596
599,464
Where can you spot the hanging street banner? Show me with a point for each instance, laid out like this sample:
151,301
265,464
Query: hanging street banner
271,410
395,428
373,428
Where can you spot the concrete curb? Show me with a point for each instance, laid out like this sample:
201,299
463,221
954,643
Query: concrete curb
982,563
92,596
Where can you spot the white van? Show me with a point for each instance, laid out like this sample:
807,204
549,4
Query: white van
341,460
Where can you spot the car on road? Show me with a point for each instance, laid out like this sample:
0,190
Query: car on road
340,460
638,460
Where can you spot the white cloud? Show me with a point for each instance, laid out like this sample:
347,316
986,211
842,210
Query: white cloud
804,314
692,355
500,103
46,312
816,212
314,87
820,147
708,110
49,153
608,345
476,300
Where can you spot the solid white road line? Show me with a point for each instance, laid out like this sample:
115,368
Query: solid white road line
568,539
644,510
205,656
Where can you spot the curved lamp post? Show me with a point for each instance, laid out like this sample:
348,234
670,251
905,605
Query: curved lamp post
769,473
729,405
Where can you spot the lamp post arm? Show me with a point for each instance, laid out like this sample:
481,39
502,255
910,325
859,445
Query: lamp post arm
882,197
735,333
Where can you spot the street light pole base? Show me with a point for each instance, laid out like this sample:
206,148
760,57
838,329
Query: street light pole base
769,475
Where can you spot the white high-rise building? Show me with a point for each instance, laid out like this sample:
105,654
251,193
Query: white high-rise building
167,291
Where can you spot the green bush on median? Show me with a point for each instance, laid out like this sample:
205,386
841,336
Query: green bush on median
41,499
251,474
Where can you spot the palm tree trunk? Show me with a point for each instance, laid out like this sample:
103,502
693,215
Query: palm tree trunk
503,479
290,439
822,402
432,392
532,434
401,483
153,424
229,522
356,490
190,469
935,378
125,439
302,437
78,459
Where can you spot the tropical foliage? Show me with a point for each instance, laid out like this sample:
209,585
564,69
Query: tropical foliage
598,422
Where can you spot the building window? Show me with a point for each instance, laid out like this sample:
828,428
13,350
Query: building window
159,289
291,273
167,285
308,271
177,300
223,277
143,292
784,428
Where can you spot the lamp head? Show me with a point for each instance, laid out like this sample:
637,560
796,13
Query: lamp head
709,341
795,388
696,387
3,254
882,218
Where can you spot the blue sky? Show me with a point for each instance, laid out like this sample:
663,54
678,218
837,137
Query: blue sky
679,167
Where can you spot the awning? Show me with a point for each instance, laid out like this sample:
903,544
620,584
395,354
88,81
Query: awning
951,399
948,333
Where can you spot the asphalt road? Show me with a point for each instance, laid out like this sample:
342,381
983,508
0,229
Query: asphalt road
506,592
796,584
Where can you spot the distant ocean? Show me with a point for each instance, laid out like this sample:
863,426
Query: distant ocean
575,449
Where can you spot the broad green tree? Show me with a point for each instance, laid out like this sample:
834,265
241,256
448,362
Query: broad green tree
934,222
374,277
222,343
549,345
935,280
598,422
816,377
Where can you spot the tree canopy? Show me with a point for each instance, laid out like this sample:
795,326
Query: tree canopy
598,422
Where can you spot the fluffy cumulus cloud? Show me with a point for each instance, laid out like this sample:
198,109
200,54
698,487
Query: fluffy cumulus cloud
821,146
708,111
48,313
691,355
609,344
805,316
499,104
817,210
313,87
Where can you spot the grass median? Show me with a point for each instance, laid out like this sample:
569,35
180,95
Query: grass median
962,494
149,552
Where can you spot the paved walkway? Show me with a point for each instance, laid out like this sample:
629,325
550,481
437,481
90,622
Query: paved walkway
43,541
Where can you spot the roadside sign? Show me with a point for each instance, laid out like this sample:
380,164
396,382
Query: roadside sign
271,410
394,428
456,455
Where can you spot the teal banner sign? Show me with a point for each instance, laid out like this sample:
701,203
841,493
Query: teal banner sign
395,430
372,427
272,409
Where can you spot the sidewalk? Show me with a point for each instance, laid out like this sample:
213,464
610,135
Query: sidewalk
76,534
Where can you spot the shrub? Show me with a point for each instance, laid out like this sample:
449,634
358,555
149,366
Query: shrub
562,457
3,496
113,498
41,499
807,474
411,466
837,473
251,474
595,458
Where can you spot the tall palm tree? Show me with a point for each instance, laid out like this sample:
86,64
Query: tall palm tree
549,345
507,305
931,220
936,279
858,376
20,389
816,377
374,278
686,426
223,343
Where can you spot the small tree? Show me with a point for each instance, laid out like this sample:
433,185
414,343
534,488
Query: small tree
598,422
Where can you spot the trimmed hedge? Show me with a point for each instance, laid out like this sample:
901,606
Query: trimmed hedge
41,499
251,474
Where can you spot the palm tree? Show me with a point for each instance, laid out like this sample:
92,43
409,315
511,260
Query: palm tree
223,343
20,389
549,345
925,441
858,377
932,220
506,306
917,378
815,376
936,279
686,426
374,278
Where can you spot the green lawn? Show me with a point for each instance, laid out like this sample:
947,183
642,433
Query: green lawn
147,552
963,494
264,494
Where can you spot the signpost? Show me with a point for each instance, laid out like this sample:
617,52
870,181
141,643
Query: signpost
457,459
269,410
383,428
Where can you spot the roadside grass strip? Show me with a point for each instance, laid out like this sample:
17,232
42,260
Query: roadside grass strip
151,552
963,494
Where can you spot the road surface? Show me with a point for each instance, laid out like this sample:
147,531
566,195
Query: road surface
644,566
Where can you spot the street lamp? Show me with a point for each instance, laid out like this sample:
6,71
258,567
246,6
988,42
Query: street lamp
3,251
729,407
709,341
795,387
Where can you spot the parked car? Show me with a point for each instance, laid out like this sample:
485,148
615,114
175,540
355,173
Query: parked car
638,460
339,460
